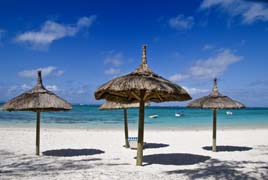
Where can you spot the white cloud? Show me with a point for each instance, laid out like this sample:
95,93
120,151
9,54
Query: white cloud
209,3
214,66
11,90
195,91
53,88
51,31
249,11
46,71
209,68
115,59
256,12
179,77
85,21
8,91
25,87
112,71
207,47
181,22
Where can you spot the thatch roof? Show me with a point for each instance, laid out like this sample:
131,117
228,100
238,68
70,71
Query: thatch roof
216,101
127,88
108,105
37,99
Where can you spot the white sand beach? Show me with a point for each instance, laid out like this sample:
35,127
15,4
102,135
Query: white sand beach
98,154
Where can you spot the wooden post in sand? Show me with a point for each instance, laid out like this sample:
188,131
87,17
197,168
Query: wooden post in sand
214,147
37,99
126,128
38,133
142,85
141,130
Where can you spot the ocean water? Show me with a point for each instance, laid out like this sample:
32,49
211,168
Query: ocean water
88,116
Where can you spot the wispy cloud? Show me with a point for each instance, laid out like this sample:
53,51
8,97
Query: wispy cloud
181,22
25,87
52,31
53,88
8,91
207,47
194,91
2,33
112,71
209,68
114,58
46,71
249,11
76,91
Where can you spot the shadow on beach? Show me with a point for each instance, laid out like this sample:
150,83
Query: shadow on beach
231,170
228,148
155,145
14,166
174,159
72,152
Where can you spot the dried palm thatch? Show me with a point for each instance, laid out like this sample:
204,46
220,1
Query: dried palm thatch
215,101
38,99
127,88
108,105
141,86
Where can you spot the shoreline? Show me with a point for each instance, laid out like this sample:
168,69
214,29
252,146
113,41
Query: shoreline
121,128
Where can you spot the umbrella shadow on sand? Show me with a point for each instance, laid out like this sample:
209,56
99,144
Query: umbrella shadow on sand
216,169
155,145
72,152
174,159
228,148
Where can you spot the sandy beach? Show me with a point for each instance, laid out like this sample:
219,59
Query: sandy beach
99,154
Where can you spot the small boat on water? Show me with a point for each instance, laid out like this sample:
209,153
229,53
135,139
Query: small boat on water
229,113
179,114
153,116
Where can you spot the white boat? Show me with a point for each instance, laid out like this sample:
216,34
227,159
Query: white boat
229,113
153,116
179,114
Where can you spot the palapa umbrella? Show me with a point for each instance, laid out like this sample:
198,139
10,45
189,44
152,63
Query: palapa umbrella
215,101
38,99
109,105
141,86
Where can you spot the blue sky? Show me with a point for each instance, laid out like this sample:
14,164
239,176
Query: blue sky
81,44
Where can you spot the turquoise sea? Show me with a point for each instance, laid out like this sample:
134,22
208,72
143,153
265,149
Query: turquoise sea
88,116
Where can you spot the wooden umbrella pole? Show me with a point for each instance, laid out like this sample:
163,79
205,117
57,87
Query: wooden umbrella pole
141,130
126,128
38,133
214,148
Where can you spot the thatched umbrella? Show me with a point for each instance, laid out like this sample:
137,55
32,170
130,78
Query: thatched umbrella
38,99
215,101
141,86
109,105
